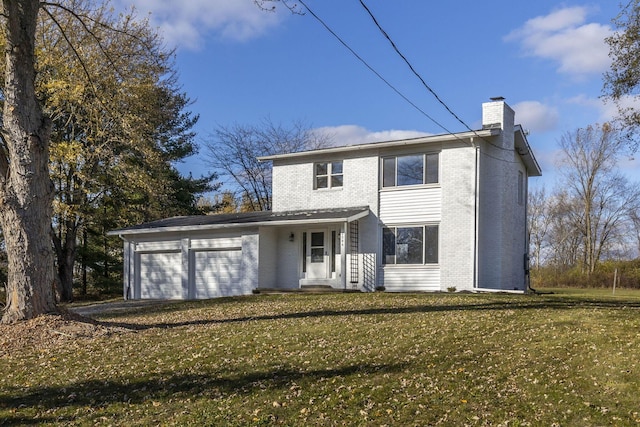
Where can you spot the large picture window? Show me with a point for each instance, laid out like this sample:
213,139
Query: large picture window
328,175
410,170
410,245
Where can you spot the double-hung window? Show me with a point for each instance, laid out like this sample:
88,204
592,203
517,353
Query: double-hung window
328,175
412,169
410,245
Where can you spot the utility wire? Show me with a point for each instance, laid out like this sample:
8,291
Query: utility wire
366,64
424,83
354,53
404,58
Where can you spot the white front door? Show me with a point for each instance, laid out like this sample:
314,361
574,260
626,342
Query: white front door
317,254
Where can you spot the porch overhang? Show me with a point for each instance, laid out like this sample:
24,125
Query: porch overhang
244,220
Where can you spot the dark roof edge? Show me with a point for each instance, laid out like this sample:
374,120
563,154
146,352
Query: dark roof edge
242,220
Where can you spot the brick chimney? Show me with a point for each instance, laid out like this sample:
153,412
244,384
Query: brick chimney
498,115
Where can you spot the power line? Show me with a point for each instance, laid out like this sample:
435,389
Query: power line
404,58
354,53
424,83
366,64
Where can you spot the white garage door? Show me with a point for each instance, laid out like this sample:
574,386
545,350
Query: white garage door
218,273
161,275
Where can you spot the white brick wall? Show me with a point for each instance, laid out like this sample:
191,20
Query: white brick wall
458,224
498,112
293,185
502,221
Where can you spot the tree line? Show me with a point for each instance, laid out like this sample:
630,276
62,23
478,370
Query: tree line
592,213
592,216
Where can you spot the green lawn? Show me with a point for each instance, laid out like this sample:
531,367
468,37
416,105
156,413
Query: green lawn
566,359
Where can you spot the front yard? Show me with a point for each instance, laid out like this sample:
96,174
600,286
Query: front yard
339,359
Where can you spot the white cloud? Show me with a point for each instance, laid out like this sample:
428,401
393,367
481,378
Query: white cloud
187,23
563,36
535,116
608,110
353,134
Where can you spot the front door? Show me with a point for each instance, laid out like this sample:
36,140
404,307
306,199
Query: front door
317,254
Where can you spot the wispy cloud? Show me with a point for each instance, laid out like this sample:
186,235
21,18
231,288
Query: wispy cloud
564,36
608,110
352,134
535,116
186,24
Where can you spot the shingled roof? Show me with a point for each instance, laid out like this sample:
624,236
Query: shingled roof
244,219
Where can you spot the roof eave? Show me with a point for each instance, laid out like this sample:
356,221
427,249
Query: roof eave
206,227
524,150
386,144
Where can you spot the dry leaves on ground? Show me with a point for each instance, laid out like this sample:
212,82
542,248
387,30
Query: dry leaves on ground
50,330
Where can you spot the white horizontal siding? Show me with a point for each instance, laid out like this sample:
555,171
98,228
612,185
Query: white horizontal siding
410,205
217,243
410,278
158,246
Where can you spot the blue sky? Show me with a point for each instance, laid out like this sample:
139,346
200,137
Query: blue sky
240,64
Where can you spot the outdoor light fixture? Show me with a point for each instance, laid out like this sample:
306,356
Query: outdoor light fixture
291,237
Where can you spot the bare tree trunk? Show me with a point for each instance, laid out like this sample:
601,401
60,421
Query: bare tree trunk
66,259
84,260
26,191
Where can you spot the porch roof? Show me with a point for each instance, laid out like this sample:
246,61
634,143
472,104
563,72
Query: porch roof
245,219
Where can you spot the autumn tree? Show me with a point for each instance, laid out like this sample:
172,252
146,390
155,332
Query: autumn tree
232,152
602,199
564,236
622,81
26,189
538,219
119,122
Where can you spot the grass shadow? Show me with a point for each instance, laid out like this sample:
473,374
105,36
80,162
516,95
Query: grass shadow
165,385
545,303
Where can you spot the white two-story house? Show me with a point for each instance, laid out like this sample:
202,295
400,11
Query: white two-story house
434,213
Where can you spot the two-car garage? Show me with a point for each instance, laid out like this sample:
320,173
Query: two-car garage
189,265
208,256
211,273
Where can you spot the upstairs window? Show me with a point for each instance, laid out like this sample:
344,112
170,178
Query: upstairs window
328,175
410,170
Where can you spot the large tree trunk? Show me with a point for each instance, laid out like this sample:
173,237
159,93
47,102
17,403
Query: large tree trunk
26,191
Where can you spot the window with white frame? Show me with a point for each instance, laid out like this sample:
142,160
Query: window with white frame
412,169
410,245
328,175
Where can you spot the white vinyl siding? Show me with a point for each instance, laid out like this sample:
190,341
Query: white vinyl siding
416,205
216,243
161,275
217,273
410,278
410,207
